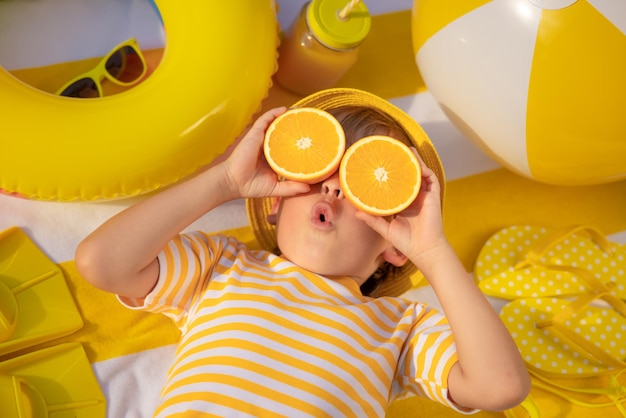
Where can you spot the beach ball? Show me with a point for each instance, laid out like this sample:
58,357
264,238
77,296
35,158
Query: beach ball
540,86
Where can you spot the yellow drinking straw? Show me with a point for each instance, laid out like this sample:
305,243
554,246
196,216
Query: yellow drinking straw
348,8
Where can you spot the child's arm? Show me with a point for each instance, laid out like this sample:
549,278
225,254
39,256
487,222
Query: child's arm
121,255
490,373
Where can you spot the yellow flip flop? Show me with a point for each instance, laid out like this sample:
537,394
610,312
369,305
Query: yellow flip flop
563,338
530,261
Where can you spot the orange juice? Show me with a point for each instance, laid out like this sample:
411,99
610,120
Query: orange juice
320,47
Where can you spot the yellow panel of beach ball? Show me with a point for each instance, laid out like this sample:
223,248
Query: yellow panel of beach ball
540,86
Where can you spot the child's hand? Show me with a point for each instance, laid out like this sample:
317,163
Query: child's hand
248,173
418,229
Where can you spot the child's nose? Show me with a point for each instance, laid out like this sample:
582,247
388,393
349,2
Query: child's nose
331,186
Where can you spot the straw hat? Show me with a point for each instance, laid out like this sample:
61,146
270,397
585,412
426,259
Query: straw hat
258,209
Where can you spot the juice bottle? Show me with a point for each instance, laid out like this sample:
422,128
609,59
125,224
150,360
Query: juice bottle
321,46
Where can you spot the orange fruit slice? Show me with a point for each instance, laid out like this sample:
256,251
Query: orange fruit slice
304,144
380,175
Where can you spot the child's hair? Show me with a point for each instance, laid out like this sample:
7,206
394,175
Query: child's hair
359,122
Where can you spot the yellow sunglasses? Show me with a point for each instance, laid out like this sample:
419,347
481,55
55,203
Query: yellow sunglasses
124,65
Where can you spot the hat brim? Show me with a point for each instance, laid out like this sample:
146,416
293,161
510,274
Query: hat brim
259,209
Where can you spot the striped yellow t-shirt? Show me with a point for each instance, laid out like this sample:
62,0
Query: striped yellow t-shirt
263,337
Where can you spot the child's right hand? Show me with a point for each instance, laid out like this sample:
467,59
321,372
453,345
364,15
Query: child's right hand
247,171
121,255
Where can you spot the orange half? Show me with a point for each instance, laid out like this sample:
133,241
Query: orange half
304,144
380,175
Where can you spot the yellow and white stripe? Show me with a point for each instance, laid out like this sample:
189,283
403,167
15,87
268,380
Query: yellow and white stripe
262,337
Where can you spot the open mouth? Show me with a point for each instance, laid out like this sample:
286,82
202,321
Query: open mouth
322,215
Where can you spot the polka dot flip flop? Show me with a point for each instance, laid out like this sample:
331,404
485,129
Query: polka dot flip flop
569,338
530,261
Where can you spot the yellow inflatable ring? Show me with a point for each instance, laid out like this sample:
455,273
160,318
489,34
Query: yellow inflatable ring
215,71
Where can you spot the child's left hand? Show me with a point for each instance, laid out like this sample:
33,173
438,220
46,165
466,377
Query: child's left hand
419,228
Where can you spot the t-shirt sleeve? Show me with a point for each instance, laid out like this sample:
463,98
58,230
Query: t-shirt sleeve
185,266
427,358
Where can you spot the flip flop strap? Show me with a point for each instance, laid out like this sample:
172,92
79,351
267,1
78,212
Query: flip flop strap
557,322
614,394
530,407
539,248
614,388
597,286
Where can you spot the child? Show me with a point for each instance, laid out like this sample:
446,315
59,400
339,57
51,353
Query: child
292,334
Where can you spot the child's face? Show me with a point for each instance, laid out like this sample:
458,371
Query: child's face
319,232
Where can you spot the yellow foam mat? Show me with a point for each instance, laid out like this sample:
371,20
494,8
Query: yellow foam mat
33,288
55,382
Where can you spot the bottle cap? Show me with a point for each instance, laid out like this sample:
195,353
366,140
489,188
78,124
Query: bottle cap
334,32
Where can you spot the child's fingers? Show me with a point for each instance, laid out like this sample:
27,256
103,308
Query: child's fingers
425,169
274,113
267,118
252,140
429,178
290,188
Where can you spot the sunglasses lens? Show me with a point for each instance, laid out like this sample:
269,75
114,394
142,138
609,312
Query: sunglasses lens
125,65
84,88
